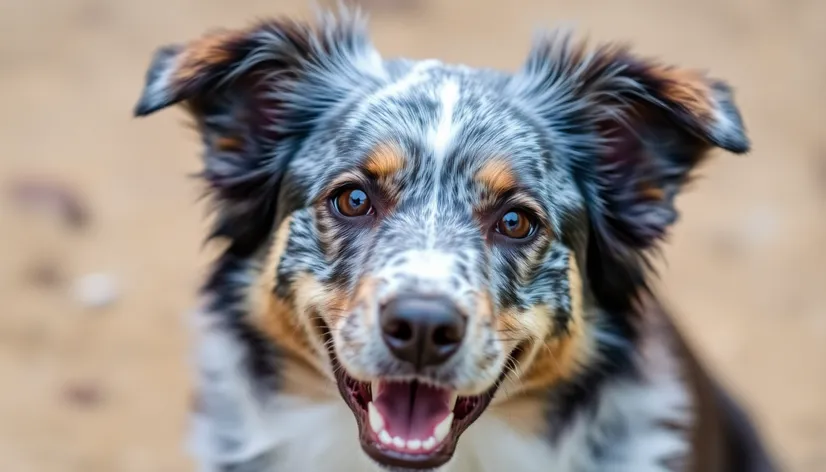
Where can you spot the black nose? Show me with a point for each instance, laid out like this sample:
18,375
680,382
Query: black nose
422,330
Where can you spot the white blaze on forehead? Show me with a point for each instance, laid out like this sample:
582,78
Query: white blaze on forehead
443,133
440,138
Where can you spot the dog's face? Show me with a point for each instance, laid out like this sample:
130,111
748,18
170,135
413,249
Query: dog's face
424,233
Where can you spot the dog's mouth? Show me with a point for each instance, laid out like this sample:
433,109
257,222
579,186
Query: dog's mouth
409,424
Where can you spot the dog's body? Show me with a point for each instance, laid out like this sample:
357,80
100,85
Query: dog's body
418,252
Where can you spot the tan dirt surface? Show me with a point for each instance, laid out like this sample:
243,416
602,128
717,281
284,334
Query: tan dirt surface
105,389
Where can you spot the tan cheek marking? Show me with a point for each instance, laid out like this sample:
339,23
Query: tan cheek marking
313,296
274,316
497,176
293,327
279,323
259,298
516,327
559,358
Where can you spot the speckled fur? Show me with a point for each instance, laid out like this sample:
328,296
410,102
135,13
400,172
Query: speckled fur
596,142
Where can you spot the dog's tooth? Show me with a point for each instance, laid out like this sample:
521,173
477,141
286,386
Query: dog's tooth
374,388
414,444
376,420
429,443
453,398
441,429
398,442
384,437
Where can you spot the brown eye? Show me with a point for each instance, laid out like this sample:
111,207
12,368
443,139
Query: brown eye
353,202
515,224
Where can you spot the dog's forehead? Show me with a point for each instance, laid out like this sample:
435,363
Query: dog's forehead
448,116
447,123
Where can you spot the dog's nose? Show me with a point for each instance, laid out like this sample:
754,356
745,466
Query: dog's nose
422,330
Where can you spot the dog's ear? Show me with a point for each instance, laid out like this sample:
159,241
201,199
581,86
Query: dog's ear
634,130
254,94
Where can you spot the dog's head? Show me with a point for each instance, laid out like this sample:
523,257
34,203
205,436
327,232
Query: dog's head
426,233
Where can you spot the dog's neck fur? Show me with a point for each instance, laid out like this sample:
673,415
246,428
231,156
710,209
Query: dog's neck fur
634,423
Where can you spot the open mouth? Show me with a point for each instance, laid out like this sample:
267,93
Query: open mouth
408,424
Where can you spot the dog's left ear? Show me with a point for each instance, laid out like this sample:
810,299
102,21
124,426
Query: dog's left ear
255,94
635,130
631,131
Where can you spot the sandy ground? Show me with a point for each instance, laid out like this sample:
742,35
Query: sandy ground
105,389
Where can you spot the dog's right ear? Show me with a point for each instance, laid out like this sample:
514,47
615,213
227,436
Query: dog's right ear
254,94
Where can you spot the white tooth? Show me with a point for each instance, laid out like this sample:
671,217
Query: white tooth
452,403
429,443
384,437
398,442
414,444
441,430
376,420
374,388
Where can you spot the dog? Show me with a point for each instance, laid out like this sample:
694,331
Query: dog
432,266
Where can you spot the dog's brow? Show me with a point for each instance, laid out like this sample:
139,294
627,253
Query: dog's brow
497,176
384,160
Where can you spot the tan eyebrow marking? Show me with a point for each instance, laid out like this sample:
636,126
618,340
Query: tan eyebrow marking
497,175
385,160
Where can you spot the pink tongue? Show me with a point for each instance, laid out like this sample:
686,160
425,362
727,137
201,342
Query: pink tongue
411,410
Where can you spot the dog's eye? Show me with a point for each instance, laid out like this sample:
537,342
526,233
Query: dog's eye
515,224
353,202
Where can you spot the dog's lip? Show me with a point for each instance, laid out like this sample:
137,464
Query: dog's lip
391,456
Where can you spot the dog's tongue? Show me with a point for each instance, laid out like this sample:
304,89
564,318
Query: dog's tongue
411,410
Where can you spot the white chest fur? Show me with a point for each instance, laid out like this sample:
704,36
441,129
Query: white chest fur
236,429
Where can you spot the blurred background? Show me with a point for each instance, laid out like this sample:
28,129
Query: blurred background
101,229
